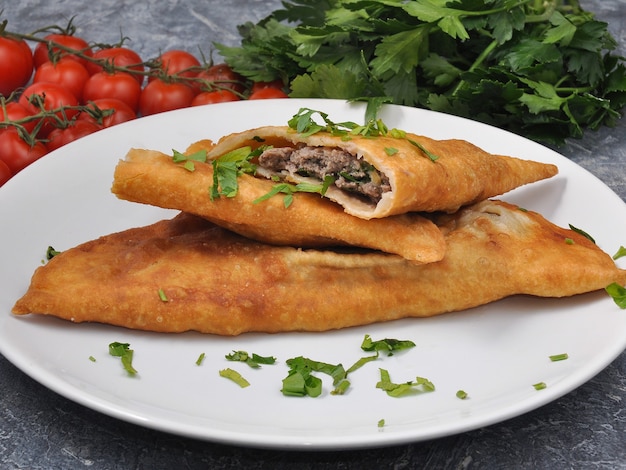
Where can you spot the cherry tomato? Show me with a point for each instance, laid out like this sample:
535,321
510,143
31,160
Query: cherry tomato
17,153
219,76
210,97
120,85
266,93
16,112
66,72
54,96
256,86
121,112
77,129
75,43
5,173
16,64
177,62
119,57
159,96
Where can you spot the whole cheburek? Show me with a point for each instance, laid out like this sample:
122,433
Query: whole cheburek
215,281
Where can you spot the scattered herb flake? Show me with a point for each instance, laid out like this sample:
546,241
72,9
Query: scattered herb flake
51,253
617,293
123,351
620,253
461,394
581,232
381,423
540,385
200,359
188,160
162,295
289,190
341,388
235,377
420,385
253,360
301,382
559,357
388,345
361,362
432,156
226,170
92,359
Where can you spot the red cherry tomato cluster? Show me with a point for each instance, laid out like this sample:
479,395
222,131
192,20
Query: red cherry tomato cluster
64,89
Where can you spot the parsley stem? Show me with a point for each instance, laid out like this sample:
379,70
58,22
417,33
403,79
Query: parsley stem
479,60
493,11
548,7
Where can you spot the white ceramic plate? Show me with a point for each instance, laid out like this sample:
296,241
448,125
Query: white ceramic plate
495,353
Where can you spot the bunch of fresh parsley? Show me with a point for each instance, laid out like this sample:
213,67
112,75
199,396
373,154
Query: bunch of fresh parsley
541,68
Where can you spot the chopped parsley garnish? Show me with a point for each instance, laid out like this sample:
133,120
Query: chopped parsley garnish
381,423
540,385
301,382
385,345
432,156
341,388
420,385
253,360
617,293
461,394
620,253
235,377
228,167
581,232
559,357
187,161
123,351
162,295
361,362
304,123
92,359
51,253
289,190
200,359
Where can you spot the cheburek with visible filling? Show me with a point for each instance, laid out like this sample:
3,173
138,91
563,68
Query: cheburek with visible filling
379,176
151,177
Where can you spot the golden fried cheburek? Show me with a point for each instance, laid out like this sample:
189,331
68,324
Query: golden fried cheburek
151,177
215,281
380,176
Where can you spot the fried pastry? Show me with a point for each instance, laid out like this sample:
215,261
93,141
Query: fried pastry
189,274
153,178
380,176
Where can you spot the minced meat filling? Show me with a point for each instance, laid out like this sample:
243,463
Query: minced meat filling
350,173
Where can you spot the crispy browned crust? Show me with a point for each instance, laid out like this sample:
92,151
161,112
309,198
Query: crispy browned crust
218,282
151,177
462,174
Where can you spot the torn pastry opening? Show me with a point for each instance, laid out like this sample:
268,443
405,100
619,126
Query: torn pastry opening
306,163
375,177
